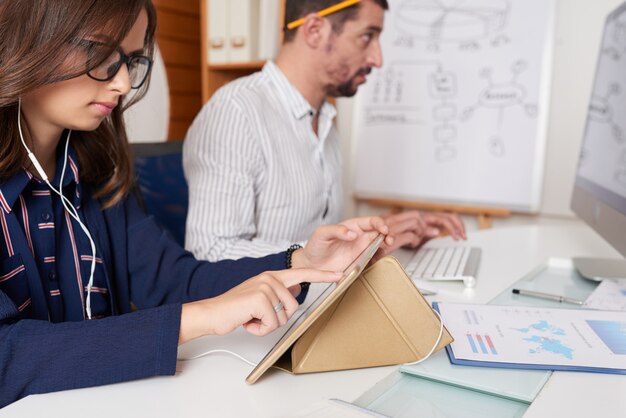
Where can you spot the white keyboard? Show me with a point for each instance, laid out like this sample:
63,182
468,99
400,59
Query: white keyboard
445,263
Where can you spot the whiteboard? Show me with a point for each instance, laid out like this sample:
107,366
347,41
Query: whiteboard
459,111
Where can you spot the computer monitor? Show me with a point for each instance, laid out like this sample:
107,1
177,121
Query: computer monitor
599,196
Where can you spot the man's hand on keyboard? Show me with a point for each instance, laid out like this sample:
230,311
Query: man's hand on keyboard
449,223
412,229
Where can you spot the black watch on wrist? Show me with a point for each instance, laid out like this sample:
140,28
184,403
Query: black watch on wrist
304,285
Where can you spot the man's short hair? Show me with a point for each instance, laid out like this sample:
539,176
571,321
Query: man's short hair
297,9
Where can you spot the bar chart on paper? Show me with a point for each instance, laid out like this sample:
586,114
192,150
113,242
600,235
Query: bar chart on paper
479,343
471,317
612,333
482,342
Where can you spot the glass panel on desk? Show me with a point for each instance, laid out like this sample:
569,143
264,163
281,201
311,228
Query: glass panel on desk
415,397
556,276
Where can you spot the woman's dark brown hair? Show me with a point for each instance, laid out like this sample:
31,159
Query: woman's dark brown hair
36,39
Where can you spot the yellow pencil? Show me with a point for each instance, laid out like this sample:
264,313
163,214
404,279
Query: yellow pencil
325,12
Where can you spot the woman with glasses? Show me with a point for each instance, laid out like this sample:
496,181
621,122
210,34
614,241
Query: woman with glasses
92,292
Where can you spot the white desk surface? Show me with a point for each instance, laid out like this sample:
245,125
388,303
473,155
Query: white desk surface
214,385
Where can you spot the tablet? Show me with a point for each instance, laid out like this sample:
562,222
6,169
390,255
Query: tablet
316,309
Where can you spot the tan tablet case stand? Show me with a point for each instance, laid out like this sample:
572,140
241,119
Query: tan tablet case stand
382,319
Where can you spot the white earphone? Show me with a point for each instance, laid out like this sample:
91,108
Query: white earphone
435,345
71,210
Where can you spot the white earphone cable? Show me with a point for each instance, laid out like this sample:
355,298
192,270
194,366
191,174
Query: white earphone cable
92,244
216,352
71,210
432,350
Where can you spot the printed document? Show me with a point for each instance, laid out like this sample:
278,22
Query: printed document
567,338
608,296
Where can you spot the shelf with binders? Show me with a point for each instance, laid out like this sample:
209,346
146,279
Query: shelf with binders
238,37
236,66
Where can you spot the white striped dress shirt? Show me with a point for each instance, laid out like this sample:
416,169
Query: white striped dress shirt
259,177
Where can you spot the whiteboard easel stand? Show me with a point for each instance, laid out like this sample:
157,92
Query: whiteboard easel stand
483,215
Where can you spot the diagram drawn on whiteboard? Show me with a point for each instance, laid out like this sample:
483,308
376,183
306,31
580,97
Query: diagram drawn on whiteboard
601,111
619,39
442,86
499,97
389,103
395,93
451,21
388,87
395,100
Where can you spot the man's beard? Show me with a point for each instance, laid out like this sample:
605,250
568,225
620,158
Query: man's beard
349,89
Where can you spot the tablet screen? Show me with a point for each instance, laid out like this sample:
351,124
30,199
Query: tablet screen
316,308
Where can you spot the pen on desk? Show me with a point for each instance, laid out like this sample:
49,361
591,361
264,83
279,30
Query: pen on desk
548,296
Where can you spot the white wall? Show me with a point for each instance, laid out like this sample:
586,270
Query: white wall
148,120
578,34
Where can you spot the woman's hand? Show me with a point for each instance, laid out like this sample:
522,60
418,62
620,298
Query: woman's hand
260,304
334,247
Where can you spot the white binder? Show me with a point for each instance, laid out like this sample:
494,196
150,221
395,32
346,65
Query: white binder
218,41
243,25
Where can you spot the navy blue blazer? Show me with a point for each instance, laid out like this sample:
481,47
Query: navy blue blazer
143,266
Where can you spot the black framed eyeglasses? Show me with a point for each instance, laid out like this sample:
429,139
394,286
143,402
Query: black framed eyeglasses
139,66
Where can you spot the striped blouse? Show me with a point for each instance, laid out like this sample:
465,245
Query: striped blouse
259,177
60,248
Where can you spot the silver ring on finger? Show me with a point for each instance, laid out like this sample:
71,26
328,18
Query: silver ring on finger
279,307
